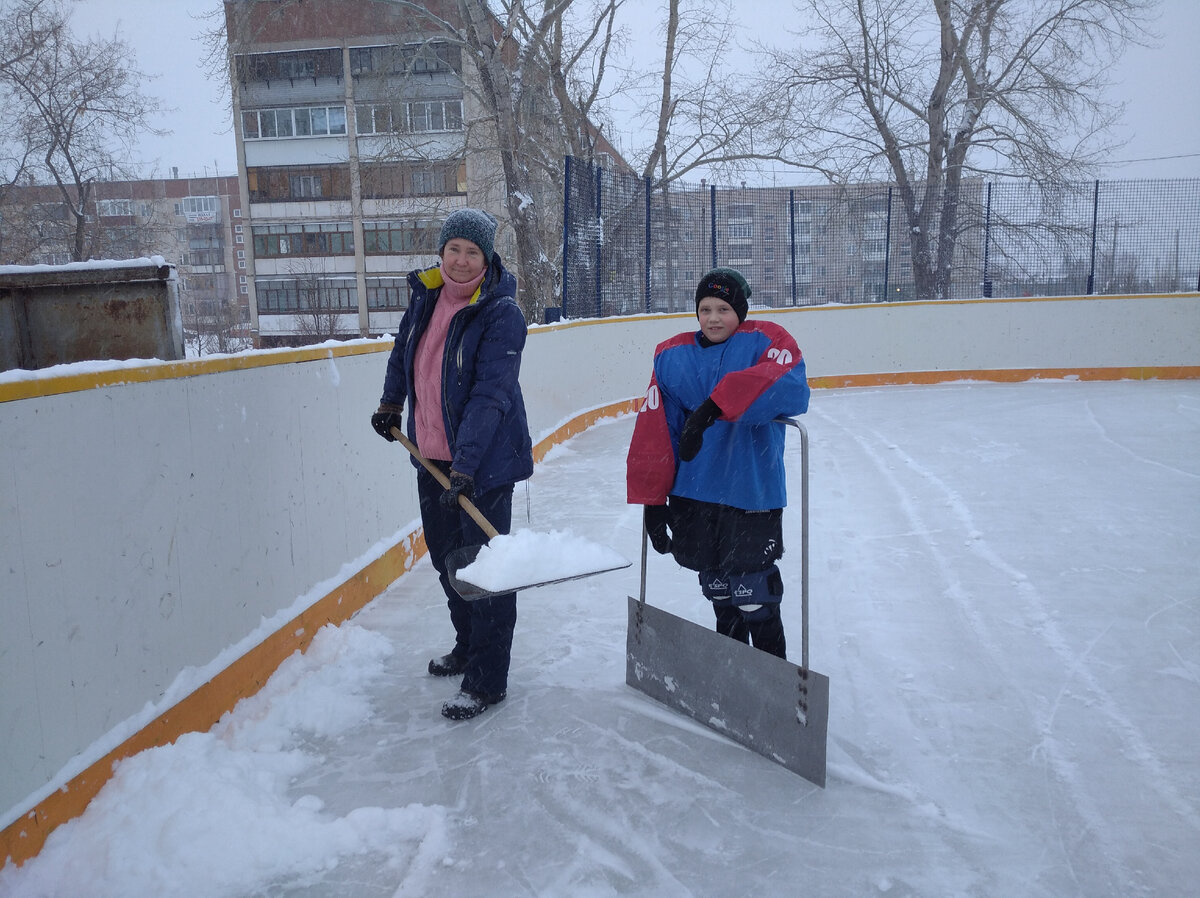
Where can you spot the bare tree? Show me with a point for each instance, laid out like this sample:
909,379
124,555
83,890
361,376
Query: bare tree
82,102
536,74
321,314
26,27
211,317
706,117
929,93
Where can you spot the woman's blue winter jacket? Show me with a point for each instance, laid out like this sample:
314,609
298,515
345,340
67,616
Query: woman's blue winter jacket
482,406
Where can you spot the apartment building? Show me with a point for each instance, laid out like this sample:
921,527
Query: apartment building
352,149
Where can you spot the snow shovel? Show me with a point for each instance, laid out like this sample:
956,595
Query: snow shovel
767,704
544,565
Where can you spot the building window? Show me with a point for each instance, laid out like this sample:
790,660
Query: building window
199,209
296,121
110,208
430,117
419,118
316,63
298,182
297,66
406,179
426,182
306,294
396,60
383,238
387,293
372,119
205,258
305,186
311,239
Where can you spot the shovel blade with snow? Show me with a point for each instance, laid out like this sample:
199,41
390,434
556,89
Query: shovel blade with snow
476,572
768,704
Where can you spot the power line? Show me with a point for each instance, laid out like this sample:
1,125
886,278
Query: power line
1155,158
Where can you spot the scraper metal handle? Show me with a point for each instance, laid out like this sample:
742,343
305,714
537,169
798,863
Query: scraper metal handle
792,422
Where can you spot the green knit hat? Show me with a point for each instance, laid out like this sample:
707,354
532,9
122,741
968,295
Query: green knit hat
727,284
475,225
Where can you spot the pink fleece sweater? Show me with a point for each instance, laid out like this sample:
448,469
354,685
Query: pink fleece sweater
427,367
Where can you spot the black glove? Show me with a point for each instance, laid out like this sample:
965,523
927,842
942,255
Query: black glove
460,485
657,518
698,421
387,417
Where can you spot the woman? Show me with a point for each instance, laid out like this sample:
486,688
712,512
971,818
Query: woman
455,363
706,458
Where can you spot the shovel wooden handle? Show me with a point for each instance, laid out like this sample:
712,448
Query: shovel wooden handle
467,505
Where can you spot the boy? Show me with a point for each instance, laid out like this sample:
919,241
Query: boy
706,458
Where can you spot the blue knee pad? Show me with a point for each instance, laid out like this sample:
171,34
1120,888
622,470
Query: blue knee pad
756,594
715,586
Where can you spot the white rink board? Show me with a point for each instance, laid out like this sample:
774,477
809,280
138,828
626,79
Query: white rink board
146,528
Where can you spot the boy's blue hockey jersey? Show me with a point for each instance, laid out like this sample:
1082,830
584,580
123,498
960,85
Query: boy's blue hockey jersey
755,376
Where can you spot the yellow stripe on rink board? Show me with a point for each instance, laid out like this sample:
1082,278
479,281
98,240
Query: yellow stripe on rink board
201,710
580,423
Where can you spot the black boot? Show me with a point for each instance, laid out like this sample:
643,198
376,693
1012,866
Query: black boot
447,666
466,704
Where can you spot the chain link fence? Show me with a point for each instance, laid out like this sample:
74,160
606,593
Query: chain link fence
628,249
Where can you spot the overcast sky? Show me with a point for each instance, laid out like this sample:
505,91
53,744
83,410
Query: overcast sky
1161,86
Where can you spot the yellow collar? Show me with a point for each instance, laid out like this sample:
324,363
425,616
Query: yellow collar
432,279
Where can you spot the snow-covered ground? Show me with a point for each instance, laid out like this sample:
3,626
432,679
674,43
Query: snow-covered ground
1005,586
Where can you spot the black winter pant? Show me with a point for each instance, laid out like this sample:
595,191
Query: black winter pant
720,540
483,628
767,634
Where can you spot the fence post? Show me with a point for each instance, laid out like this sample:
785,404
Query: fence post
712,207
1091,280
987,231
566,230
792,238
887,248
599,240
647,243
